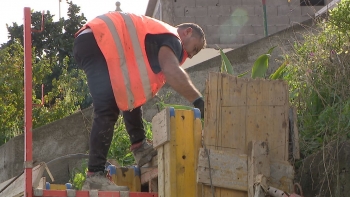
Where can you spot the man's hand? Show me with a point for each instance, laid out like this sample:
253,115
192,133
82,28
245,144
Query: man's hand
199,103
175,76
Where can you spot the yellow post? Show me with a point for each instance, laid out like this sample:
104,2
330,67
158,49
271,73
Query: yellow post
177,137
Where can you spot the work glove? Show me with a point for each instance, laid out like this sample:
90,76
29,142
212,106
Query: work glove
199,103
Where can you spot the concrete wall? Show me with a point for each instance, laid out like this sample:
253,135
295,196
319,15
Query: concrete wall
66,136
242,60
234,23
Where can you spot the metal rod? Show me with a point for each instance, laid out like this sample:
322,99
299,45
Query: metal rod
28,156
265,18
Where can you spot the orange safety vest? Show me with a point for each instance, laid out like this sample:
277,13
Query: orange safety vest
121,38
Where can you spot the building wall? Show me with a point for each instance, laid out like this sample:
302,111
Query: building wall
233,23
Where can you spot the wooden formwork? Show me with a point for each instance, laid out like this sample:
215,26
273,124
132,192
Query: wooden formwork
240,111
177,138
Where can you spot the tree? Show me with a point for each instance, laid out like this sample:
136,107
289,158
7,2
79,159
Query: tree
53,65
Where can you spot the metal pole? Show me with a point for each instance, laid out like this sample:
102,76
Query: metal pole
265,17
28,156
59,8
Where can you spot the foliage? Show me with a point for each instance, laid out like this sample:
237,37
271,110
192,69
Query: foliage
259,68
65,87
319,79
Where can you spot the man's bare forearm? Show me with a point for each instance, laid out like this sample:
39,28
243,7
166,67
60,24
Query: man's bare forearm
175,76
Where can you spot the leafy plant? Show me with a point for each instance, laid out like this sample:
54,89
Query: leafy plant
259,68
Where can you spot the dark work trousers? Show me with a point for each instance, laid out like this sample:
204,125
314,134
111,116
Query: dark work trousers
89,58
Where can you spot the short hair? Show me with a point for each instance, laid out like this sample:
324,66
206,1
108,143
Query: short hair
197,29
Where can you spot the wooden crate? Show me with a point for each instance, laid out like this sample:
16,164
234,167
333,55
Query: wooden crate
177,138
126,176
241,110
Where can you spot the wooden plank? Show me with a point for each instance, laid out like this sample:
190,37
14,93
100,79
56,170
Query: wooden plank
211,117
147,174
258,163
294,133
282,175
227,170
161,170
213,128
16,188
198,134
161,127
127,177
234,91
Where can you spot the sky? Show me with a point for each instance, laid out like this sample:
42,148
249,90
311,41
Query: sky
12,10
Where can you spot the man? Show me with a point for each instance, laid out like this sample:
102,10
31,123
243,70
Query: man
127,58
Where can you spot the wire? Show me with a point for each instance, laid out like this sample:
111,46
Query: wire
211,180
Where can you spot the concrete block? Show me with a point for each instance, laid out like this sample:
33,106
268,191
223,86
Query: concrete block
212,39
251,2
231,39
246,30
179,11
208,20
185,2
255,20
287,10
251,38
278,2
219,10
231,2
309,10
196,11
207,2
270,10
242,11
218,29
179,20
299,19
280,20
234,20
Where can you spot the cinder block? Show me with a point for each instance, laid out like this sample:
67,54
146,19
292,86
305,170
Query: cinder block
251,38
234,20
212,39
231,2
196,11
270,10
255,20
299,19
231,39
309,10
185,2
179,11
219,10
179,20
252,2
242,11
287,10
278,20
246,30
218,29
207,2
278,2
208,20
277,28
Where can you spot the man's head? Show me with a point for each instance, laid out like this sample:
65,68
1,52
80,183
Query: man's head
192,37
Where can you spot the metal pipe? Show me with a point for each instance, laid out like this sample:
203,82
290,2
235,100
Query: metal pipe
28,156
265,18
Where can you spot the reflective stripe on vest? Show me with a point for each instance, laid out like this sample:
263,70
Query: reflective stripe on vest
138,53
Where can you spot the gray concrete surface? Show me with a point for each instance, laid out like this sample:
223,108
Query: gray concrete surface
66,136
232,23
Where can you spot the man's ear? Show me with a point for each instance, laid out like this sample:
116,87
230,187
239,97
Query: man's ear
188,31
